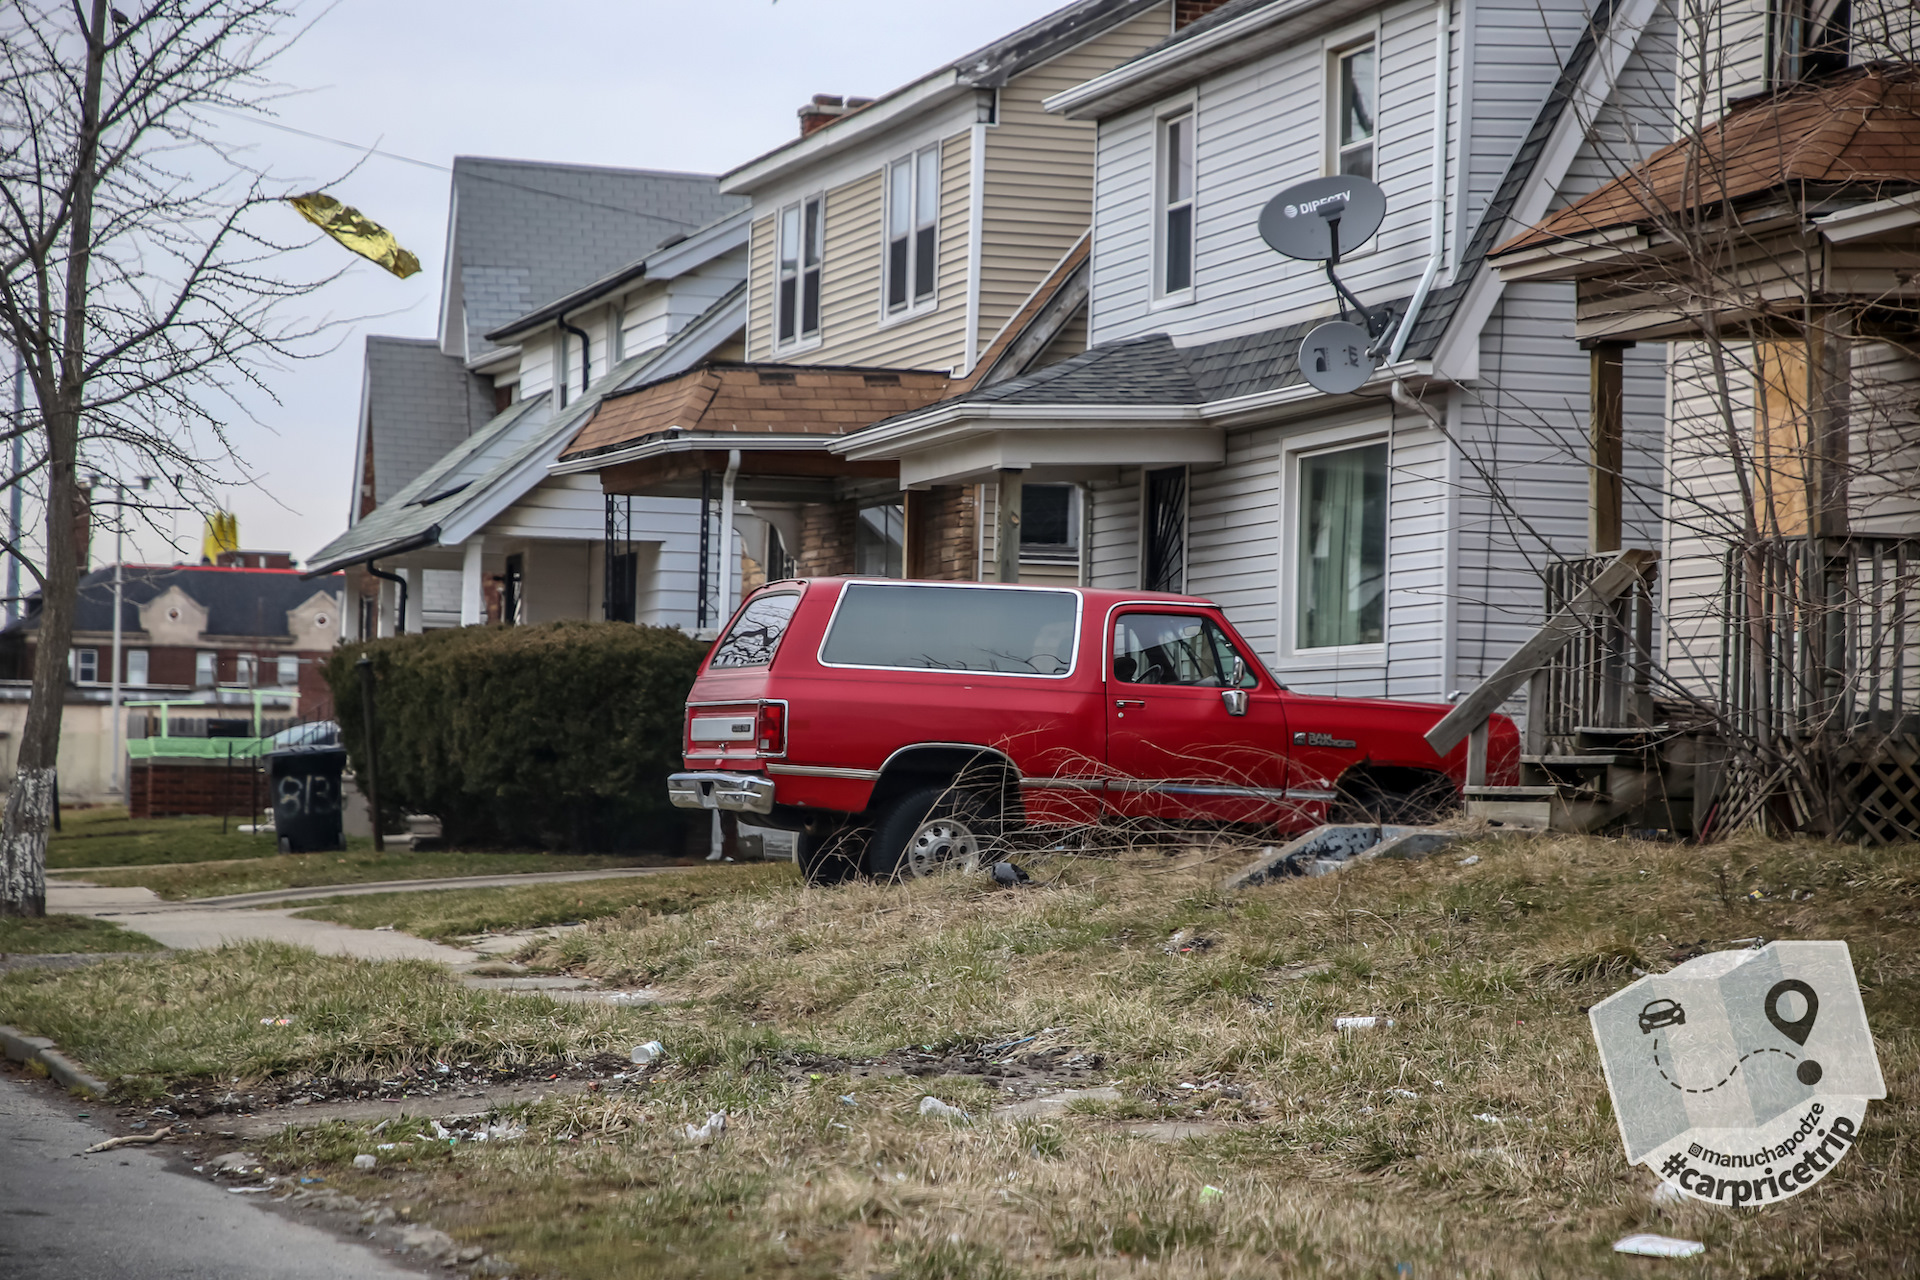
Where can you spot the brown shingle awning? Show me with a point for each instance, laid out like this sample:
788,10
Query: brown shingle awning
754,399
1861,130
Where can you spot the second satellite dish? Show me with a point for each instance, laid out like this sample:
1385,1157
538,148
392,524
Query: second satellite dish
1300,222
1334,358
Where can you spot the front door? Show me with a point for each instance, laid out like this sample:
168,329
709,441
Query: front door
1184,740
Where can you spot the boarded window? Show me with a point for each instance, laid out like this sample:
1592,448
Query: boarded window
1780,432
1028,633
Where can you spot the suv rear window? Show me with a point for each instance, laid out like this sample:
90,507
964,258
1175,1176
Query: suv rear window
755,634
1027,633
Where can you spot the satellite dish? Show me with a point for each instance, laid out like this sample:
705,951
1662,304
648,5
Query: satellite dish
1299,221
1334,357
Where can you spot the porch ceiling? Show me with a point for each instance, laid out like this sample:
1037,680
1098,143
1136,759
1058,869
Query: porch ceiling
969,449
801,472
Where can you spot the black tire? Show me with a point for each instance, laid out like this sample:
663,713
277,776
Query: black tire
934,829
1414,801
828,854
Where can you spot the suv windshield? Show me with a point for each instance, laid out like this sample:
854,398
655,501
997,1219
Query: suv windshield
755,634
1029,633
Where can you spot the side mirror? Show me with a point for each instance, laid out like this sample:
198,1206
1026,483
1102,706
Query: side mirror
1239,671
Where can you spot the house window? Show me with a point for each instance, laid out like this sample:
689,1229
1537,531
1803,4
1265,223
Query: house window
1811,38
1164,535
204,669
1354,110
86,666
1342,566
289,671
780,562
513,591
913,229
802,246
879,539
243,668
1176,174
137,666
1050,523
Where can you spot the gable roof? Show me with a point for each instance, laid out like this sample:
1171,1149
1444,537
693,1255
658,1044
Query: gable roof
239,602
522,233
988,67
766,399
417,404
1860,128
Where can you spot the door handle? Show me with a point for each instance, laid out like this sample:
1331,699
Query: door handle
1129,702
1236,700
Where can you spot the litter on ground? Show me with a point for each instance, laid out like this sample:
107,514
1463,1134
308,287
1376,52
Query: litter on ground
1652,1246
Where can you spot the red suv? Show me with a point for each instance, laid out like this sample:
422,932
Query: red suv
898,726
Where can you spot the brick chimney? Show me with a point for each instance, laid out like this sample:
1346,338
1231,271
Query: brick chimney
825,109
1186,12
821,112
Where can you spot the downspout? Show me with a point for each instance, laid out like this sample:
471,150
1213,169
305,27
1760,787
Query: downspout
1437,214
586,358
400,620
726,536
976,218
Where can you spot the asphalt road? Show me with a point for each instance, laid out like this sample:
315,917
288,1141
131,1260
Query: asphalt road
123,1215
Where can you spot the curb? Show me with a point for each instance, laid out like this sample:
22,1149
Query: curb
25,1048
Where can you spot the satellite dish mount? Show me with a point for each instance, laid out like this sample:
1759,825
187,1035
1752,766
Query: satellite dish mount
1309,222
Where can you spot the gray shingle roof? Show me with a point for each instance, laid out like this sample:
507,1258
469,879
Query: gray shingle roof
420,404
524,233
239,602
1150,370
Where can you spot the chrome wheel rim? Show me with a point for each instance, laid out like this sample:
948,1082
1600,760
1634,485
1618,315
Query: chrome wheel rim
939,845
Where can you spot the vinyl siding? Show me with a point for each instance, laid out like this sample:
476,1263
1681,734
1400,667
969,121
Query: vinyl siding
1038,195
761,250
1260,128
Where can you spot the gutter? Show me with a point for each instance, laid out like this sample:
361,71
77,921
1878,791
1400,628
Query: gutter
1437,219
586,360
400,614
430,538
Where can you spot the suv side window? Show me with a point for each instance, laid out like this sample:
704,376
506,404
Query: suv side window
1174,648
755,635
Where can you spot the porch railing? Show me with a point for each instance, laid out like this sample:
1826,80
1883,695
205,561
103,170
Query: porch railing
1820,635
1602,677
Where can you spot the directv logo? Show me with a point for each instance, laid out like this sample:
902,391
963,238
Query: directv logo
1295,210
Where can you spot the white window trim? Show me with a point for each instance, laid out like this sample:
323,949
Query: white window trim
1076,521
801,341
146,663
1333,46
915,308
74,668
1187,104
1292,452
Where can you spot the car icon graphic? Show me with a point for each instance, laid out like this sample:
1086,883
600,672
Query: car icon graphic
1662,1013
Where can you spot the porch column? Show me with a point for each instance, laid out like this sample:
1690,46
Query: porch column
1605,449
1006,534
416,600
473,595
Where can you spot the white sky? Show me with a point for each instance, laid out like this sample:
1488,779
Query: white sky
698,86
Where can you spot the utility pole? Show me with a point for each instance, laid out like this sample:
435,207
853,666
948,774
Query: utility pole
13,509
117,779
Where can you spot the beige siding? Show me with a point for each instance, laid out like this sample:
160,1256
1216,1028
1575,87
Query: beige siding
850,328
760,271
1039,181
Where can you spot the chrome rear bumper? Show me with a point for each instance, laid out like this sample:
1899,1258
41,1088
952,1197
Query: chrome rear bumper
731,792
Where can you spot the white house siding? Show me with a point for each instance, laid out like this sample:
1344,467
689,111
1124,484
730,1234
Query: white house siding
1260,128
536,364
1636,120
1113,530
568,510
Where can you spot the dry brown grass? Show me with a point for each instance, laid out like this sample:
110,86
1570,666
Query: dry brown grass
1321,1167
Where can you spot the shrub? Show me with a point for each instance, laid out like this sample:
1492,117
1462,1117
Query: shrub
560,735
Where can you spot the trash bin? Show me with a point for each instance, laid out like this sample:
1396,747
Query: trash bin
305,785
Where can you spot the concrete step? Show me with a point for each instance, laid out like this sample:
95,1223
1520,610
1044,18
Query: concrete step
1539,791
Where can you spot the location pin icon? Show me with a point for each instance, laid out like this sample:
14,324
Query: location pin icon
1797,1029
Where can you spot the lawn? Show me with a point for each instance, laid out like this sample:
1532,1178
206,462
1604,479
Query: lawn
1472,1138
444,915
304,870
66,935
107,837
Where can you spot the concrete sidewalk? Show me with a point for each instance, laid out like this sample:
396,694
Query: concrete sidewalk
187,926
423,886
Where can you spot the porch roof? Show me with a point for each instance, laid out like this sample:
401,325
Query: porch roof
747,402
1858,130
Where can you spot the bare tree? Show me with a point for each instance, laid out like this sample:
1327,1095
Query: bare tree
137,283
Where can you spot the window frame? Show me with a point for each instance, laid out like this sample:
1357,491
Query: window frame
1057,553
1251,679
1182,110
83,657
146,667
284,663
1319,444
918,226
1143,573
802,338
859,518
1336,48
206,661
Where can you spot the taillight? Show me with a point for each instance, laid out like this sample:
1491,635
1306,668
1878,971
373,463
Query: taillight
771,731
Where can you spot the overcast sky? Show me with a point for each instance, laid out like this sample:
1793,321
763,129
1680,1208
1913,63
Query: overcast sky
659,84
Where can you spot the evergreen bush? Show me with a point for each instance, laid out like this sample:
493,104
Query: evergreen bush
559,736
